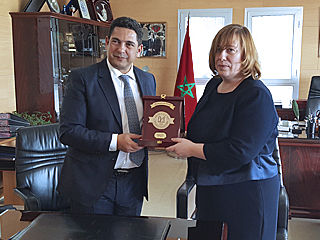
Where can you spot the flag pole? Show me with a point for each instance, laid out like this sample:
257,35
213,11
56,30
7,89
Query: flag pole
183,126
183,121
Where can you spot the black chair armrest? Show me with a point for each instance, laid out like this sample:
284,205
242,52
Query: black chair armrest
31,202
283,215
182,197
282,234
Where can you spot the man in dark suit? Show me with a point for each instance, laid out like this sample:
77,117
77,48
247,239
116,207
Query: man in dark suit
100,174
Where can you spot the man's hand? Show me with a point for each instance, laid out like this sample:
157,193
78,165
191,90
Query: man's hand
126,144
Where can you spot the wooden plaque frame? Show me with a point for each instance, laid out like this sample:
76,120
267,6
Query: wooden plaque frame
100,10
161,120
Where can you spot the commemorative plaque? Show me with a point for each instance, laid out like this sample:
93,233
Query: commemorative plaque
161,120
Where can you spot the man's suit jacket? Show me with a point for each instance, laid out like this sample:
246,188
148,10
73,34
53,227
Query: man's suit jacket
90,115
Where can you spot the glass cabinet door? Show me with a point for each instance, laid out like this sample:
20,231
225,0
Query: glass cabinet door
74,45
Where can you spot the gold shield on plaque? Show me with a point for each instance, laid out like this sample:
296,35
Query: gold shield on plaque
161,120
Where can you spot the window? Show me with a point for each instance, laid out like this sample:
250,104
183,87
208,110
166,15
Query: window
277,33
203,25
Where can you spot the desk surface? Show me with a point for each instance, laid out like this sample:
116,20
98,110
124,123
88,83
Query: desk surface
7,154
65,225
11,142
288,139
16,225
94,226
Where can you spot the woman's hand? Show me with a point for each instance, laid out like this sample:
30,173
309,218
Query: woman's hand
186,148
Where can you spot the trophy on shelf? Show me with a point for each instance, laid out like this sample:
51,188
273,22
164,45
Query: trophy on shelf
161,120
69,44
72,9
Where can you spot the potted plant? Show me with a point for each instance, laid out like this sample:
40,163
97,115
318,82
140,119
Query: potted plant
35,118
295,127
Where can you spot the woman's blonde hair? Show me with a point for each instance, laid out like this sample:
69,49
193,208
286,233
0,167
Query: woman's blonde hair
250,61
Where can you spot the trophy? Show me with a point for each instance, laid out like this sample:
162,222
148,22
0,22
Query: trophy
161,120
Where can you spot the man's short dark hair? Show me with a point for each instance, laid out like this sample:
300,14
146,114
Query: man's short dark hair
129,23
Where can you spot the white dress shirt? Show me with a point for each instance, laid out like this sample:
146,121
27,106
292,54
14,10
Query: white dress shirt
123,160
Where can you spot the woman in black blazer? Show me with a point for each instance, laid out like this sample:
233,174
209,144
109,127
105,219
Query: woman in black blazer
230,139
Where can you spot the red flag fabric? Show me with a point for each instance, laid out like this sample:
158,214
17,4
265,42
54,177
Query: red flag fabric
185,85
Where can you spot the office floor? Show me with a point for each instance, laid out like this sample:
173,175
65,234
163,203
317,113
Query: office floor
166,175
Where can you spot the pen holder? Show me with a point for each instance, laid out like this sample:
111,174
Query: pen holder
311,129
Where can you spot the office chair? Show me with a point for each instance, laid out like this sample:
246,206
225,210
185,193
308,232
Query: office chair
313,102
283,207
38,163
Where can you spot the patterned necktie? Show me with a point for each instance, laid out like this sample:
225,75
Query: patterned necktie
133,119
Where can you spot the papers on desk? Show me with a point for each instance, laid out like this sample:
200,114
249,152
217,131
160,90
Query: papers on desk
285,128
287,135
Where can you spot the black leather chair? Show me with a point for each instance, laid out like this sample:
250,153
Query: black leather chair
283,208
38,163
313,102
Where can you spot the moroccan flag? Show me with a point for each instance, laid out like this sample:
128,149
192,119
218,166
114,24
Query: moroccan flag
185,85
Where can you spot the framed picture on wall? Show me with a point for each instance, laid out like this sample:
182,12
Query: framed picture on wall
84,9
154,39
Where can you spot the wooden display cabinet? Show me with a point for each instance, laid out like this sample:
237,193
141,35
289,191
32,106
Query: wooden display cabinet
47,46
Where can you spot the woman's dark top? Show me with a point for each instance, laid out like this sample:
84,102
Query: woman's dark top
238,129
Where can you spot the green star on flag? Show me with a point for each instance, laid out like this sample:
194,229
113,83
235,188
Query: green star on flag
185,86
188,85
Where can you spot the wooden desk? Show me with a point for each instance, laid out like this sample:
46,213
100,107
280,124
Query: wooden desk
9,178
11,224
11,142
301,175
